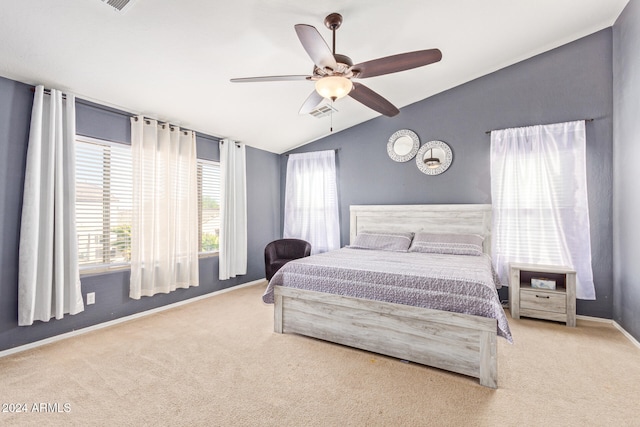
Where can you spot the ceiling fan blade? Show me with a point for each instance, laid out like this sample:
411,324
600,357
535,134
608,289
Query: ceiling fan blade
395,63
311,103
315,46
371,99
270,79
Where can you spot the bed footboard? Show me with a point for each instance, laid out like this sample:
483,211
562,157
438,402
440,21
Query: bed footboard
455,342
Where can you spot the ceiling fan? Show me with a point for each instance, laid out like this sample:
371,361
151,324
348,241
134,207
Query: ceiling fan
333,73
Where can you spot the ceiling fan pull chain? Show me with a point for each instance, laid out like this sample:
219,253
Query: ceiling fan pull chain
331,116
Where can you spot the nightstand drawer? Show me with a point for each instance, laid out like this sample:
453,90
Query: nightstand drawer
542,300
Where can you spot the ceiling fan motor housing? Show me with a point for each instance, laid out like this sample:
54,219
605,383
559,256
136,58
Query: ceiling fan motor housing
343,69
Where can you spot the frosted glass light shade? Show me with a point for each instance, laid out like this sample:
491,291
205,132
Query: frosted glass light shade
333,87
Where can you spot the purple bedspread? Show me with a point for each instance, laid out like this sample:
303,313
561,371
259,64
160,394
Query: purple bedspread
456,283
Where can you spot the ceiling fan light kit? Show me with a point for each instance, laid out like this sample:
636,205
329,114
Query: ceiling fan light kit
333,73
334,87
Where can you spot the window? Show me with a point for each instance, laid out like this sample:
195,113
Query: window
539,197
104,204
209,205
311,200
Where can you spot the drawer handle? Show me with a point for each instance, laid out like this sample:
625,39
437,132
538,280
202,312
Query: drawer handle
542,296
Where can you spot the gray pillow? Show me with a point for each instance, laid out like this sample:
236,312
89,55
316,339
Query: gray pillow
383,240
451,244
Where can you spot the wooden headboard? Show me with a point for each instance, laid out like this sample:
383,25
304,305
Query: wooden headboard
472,219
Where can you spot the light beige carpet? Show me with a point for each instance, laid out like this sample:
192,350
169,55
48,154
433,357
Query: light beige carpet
216,362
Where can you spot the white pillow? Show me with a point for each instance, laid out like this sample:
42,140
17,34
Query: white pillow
451,244
383,240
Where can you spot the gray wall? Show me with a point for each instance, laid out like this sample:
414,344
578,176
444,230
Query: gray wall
568,83
626,147
112,300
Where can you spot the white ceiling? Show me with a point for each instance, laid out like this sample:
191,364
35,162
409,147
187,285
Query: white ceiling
172,60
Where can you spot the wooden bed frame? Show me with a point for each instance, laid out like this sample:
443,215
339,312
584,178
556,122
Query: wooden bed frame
455,342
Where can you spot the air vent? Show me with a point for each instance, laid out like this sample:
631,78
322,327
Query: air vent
323,111
119,5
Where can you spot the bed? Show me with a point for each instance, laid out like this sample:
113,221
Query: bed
354,306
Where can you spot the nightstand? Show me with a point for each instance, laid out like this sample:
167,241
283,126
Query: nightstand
558,304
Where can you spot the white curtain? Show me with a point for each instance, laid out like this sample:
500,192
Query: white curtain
48,275
311,200
539,195
164,229
233,212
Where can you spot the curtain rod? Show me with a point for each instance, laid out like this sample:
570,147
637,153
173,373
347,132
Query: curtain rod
489,131
48,92
125,114
198,134
162,123
335,149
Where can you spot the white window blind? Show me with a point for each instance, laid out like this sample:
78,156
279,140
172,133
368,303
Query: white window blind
209,205
103,203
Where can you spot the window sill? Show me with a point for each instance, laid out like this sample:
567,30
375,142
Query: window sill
208,255
105,270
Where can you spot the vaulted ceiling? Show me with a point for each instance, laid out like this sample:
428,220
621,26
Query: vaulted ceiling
172,60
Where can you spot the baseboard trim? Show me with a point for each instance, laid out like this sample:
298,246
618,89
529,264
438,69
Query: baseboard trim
615,325
88,329
626,334
593,319
92,328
